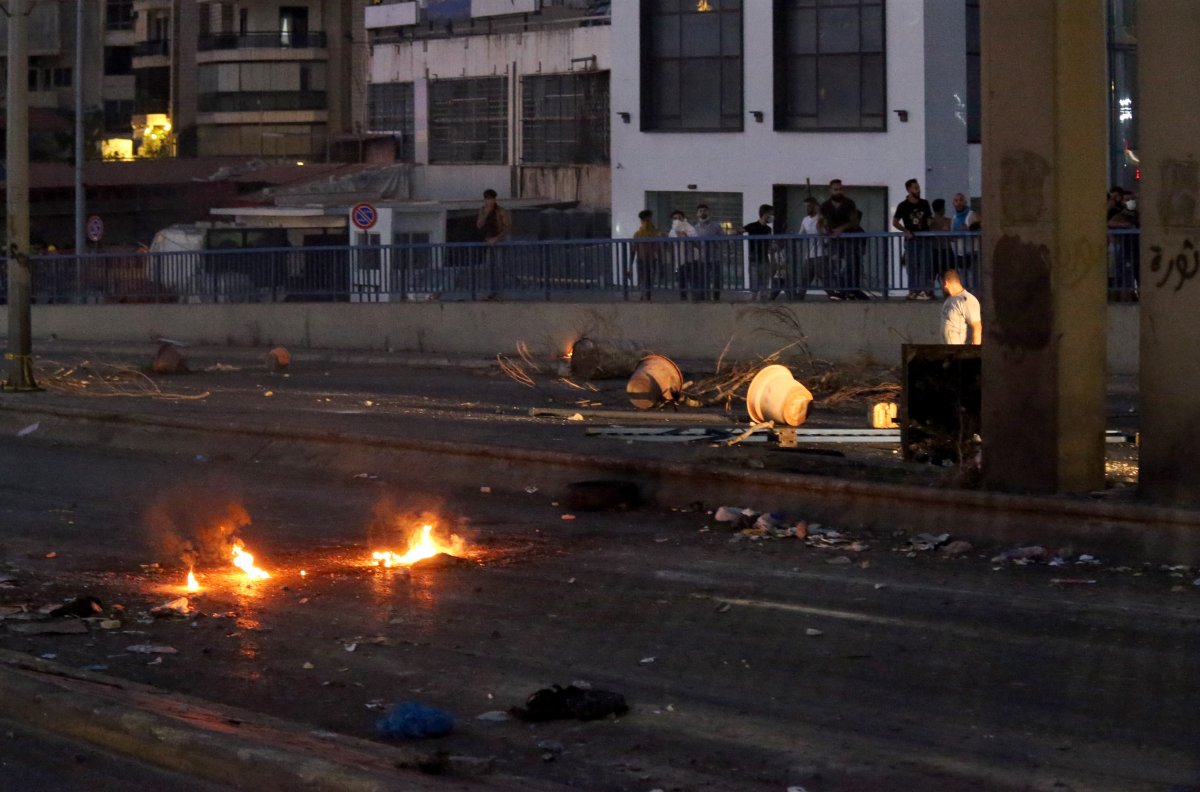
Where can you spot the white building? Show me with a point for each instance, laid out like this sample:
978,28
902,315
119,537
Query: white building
738,103
506,94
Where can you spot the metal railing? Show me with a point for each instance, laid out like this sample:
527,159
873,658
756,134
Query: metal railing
150,47
258,101
271,39
782,267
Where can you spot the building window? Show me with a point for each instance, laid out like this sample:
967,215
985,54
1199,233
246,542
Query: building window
118,15
152,90
724,207
118,115
974,84
564,118
118,60
468,120
692,65
44,77
1123,93
829,65
261,87
390,109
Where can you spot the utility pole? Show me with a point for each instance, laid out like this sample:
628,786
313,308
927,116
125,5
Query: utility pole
80,195
19,356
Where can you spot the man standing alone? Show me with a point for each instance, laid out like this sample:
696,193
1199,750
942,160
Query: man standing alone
962,322
709,263
495,225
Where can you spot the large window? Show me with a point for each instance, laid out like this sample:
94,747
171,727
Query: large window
468,120
390,109
829,65
974,78
118,115
692,65
261,86
564,118
1123,93
152,90
118,15
118,60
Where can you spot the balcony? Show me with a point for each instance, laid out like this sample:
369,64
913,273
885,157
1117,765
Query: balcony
145,49
274,39
261,101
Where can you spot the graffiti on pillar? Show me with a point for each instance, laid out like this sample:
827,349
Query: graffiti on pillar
1023,187
1180,268
1083,257
1021,294
1180,195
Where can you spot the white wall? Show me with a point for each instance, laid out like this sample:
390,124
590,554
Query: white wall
750,162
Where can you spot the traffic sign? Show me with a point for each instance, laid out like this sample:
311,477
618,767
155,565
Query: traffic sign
363,215
95,228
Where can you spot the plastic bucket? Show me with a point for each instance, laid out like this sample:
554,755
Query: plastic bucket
774,395
656,381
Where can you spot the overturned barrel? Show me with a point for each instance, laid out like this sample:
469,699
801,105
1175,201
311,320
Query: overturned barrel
775,395
656,381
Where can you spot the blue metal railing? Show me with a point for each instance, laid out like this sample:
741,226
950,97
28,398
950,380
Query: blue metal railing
781,267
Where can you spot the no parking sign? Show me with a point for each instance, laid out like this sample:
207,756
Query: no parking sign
363,215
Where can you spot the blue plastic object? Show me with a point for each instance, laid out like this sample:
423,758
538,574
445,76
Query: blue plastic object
415,721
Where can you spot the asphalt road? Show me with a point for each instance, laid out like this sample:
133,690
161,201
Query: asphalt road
748,665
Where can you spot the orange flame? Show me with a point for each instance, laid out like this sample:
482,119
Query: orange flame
421,547
245,562
192,584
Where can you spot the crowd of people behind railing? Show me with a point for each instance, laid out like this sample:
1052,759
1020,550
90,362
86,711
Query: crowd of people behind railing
833,259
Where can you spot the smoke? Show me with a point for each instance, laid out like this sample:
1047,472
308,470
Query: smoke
393,524
195,527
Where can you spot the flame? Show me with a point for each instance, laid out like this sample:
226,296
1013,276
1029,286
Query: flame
245,562
419,548
192,585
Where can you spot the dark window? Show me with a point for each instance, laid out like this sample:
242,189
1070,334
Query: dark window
118,15
973,72
829,65
692,65
118,115
390,109
152,90
118,60
62,77
468,120
1123,93
564,118
293,24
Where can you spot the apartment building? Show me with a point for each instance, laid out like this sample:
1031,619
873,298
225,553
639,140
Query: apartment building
508,94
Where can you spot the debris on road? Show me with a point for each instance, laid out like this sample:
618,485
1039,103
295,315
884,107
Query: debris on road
73,627
812,632
958,547
571,702
415,721
1021,554
494,716
1070,581
80,607
278,359
927,541
600,358
151,649
169,360
176,607
28,430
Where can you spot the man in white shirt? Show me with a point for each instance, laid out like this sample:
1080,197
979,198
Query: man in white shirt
685,254
962,321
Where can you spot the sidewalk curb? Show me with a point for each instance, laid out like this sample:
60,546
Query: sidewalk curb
214,742
1168,532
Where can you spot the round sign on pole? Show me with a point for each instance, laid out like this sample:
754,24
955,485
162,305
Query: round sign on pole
95,228
363,215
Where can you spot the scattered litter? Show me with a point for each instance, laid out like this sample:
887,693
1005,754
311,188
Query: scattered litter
269,394
1196,582
647,660
576,417
557,703
176,607
531,490
151,649
81,607
415,721
839,561
94,667
927,541
376,704
308,666
51,554
1025,554
958,547
156,661
494,716
8,581
724,607
1070,581
201,458
368,403
796,789
551,749
28,430
350,647
568,517
1087,560
47,628
486,490
370,476
222,367
110,624
812,632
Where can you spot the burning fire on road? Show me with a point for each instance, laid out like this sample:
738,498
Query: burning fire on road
422,545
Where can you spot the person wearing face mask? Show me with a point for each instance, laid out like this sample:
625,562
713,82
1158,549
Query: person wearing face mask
685,254
1122,248
761,252
708,264
966,251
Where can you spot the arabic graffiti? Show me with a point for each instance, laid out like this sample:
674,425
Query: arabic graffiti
1185,264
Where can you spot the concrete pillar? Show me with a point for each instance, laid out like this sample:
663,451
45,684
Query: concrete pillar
1044,142
1169,203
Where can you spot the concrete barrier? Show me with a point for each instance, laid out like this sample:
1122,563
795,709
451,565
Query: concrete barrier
839,332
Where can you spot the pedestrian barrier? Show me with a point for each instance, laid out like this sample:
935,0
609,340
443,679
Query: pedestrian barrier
785,267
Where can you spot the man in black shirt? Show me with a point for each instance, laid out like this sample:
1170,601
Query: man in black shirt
912,217
760,252
842,216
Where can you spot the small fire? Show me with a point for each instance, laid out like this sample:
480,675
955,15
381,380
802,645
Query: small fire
419,548
192,584
245,562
